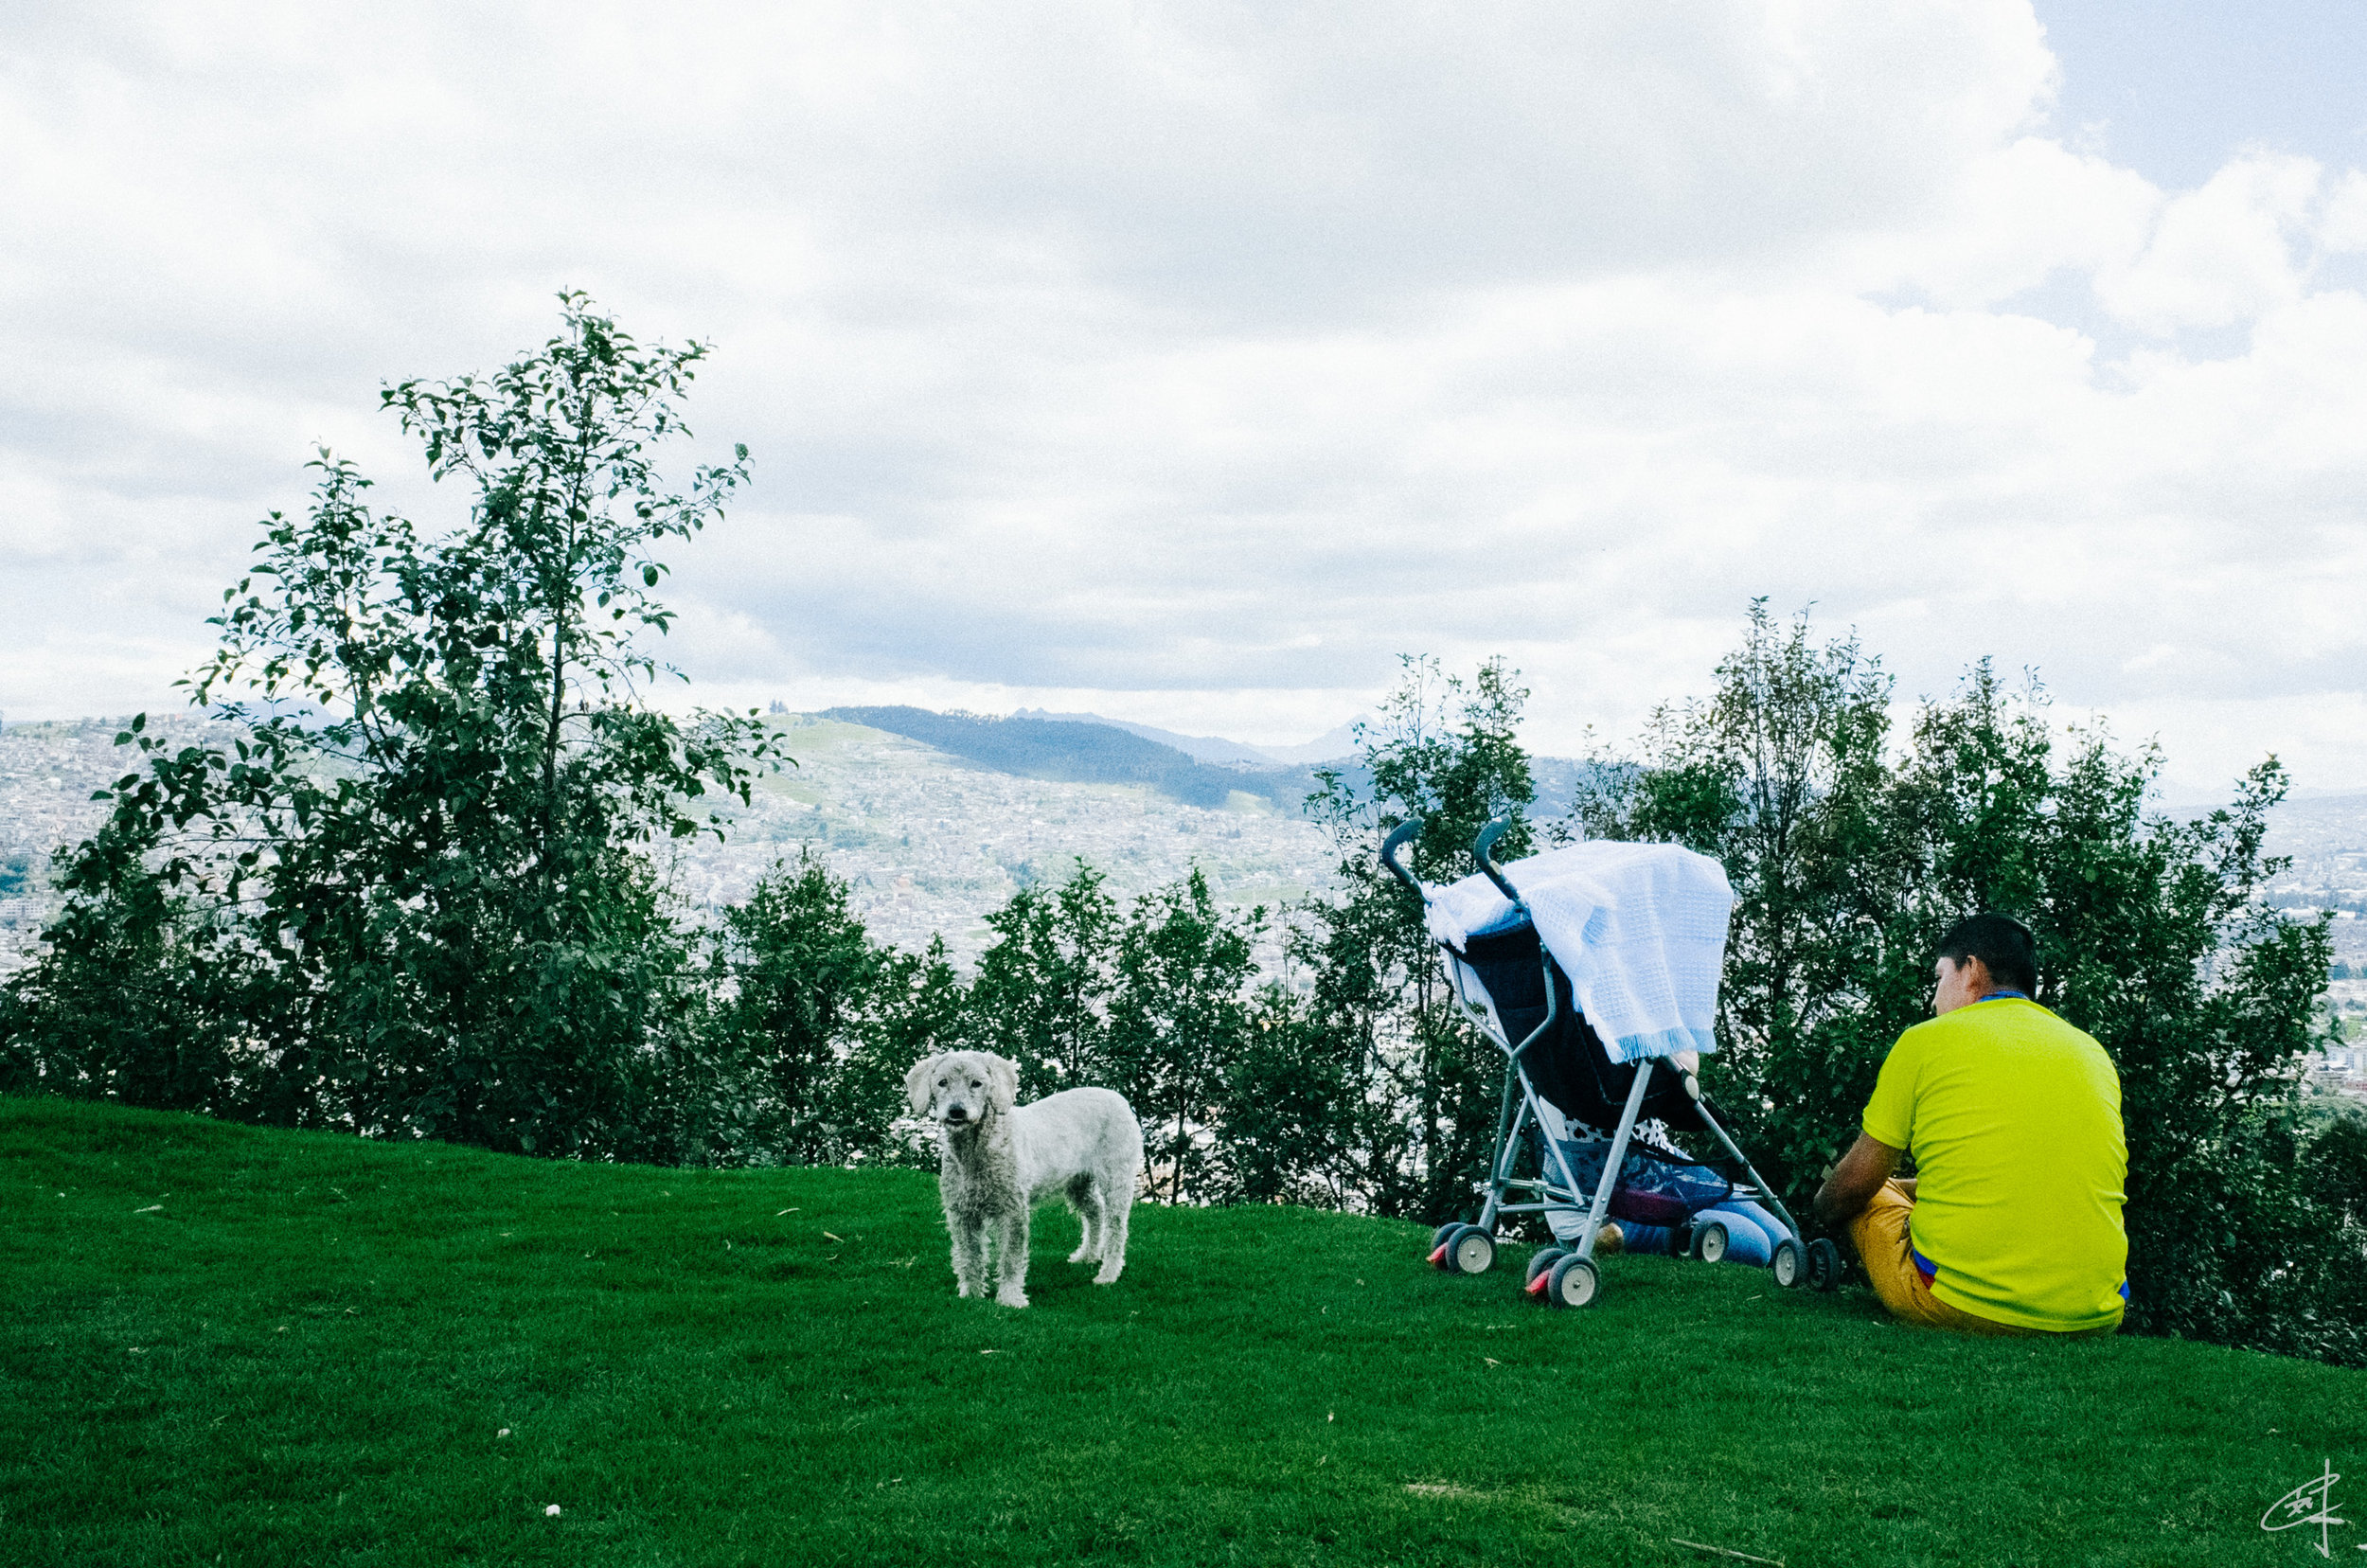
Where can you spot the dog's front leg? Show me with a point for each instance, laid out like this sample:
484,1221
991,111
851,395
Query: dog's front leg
1010,1247
970,1255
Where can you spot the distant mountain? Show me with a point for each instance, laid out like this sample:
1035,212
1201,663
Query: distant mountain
1335,746
1085,749
1074,752
1200,748
1324,748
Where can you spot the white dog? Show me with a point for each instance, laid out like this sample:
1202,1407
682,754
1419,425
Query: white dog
1001,1159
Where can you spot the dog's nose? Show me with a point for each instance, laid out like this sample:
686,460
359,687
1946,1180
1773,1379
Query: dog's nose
956,1113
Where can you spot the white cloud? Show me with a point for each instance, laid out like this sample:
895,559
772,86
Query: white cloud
2017,215
2220,254
1187,362
2344,227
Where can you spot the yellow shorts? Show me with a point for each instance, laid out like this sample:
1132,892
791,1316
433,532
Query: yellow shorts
1880,1236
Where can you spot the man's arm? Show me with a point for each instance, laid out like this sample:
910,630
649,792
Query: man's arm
1855,1181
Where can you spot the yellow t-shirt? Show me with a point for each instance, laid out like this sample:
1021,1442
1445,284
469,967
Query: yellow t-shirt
2014,1118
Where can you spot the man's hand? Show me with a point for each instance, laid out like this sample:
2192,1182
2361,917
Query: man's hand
1853,1182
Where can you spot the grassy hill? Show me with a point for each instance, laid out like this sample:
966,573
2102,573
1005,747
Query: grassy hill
232,1345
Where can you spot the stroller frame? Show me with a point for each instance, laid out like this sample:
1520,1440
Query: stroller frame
1503,1192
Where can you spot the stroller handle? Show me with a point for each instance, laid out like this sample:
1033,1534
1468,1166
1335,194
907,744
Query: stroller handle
1406,831
1480,847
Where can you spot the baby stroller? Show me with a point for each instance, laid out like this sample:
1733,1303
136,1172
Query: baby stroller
1562,1076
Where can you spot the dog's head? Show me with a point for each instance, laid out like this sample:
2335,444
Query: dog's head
960,1087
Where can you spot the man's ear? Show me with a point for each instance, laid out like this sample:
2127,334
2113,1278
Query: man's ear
1001,1082
917,1084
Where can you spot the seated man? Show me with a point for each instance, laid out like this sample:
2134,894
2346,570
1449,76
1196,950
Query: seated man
2013,1221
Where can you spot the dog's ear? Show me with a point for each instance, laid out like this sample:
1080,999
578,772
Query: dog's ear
1001,1082
917,1084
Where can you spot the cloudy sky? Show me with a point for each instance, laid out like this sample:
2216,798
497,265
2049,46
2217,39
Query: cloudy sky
1189,362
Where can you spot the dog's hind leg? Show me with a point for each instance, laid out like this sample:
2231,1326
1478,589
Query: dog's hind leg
1087,1202
1118,1176
1010,1249
1118,1204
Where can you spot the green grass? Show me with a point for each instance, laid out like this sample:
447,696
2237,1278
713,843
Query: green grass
230,1345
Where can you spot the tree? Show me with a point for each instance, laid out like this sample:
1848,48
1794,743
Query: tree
813,1025
1286,1121
1179,1021
140,996
800,973
428,849
1779,775
1042,990
1378,1014
918,1007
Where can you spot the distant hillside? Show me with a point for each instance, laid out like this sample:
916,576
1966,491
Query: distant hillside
1339,745
1195,769
1080,752
1200,748
933,842
1329,747
1556,780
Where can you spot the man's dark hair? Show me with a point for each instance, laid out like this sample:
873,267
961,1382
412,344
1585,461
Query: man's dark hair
2001,943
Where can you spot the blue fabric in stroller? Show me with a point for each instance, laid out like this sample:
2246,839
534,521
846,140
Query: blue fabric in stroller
1656,1186
1751,1234
1661,1196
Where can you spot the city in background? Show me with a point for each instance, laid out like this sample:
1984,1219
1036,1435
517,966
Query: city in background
930,843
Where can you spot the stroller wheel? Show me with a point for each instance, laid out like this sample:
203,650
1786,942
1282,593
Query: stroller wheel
1470,1251
1681,1240
1439,1240
1542,1259
1709,1241
1573,1282
1824,1264
1785,1265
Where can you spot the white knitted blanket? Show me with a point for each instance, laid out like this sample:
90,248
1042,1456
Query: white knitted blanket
1639,928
